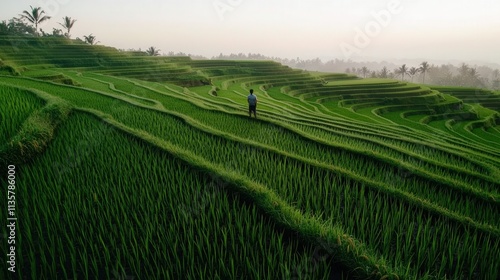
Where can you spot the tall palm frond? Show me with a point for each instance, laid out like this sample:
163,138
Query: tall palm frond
152,51
412,72
90,39
424,67
402,71
68,24
35,16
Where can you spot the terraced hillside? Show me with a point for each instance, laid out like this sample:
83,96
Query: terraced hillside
130,166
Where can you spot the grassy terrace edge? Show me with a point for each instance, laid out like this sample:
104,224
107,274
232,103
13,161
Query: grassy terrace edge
354,254
413,200
471,165
36,132
279,122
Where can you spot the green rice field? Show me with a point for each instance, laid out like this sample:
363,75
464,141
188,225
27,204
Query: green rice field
125,166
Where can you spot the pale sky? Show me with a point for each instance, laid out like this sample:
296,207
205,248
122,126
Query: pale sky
374,30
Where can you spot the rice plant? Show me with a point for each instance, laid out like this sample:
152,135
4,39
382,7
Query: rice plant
165,221
353,161
15,107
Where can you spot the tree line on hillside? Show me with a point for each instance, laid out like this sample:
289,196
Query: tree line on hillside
463,75
28,21
27,24
445,74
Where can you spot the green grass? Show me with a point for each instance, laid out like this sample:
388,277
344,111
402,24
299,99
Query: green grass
222,152
15,107
192,221
330,160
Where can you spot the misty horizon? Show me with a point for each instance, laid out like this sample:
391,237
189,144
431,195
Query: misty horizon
389,30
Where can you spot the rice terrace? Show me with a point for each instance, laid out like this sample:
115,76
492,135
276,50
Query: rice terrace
131,165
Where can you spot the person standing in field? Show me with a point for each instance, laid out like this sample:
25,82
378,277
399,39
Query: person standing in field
252,104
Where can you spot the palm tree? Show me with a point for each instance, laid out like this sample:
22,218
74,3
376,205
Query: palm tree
90,39
35,17
152,51
402,71
412,72
473,73
474,78
364,70
68,24
464,74
464,69
424,67
384,73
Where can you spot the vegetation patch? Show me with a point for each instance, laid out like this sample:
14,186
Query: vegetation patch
36,132
158,158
